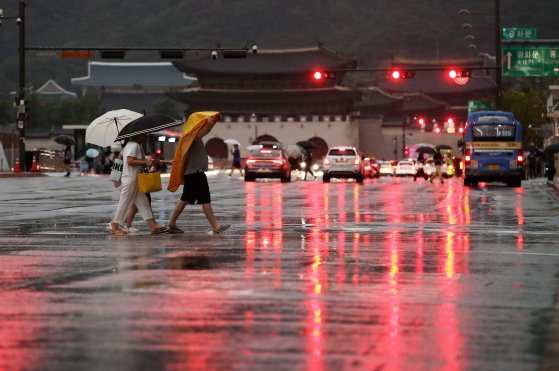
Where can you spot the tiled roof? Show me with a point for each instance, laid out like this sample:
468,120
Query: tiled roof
129,74
52,89
270,61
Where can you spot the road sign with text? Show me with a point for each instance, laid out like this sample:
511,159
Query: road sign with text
530,61
515,33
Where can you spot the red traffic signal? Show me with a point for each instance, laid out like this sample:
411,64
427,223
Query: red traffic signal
322,75
454,73
402,74
421,121
437,130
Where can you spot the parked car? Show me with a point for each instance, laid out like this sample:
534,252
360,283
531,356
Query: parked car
386,168
268,163
405,168
343,162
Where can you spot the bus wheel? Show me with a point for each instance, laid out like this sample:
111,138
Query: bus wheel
474,182
467,182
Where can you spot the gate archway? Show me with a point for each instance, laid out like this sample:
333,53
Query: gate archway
216,148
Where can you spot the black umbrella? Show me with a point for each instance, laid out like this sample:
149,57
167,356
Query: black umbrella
307,144
147,124
552,148
443,146
425,149
65,140
531,148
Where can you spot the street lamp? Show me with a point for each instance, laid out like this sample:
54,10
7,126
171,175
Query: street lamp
21,103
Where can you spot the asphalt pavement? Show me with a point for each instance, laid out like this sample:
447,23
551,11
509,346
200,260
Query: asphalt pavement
391,274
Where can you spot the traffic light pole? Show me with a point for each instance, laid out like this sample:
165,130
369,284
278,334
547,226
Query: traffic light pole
21,118
498,57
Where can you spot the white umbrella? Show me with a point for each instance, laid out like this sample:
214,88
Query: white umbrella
104,129
232,142
254,147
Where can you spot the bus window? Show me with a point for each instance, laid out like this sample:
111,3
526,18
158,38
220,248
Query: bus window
488,132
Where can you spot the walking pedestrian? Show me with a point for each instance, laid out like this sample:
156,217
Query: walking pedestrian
196,189
236,160
308,165
438,160
68,155
420,168
550,167
133,160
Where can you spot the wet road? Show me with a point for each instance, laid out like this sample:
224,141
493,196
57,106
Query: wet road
387,275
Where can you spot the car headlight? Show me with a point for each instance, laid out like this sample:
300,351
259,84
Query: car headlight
315,167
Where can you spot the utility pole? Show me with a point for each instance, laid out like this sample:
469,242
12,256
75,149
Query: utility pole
498,57
21,118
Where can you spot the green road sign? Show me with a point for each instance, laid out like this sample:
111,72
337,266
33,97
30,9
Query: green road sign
477,105
530,61
515,33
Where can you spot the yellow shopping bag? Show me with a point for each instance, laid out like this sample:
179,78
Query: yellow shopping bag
149,182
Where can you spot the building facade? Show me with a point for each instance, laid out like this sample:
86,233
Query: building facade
271,95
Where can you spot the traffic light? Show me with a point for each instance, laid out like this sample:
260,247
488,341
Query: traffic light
398,74
22,111
454,73
421,121
319,76
406,151
461,130
437,130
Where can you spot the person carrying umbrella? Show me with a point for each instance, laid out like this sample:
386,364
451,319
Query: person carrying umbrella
68,159
438,160
420,167
236,160
190,163
133,160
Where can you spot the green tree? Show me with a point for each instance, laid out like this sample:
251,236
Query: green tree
166,106
529,107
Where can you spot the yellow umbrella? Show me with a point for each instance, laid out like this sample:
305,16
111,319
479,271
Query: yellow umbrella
195,122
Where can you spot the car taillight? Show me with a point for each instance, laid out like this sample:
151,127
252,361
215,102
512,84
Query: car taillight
357,161
467,156
277,162
367,168
251,161
520,157
326,161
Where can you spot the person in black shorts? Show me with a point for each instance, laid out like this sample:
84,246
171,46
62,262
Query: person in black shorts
195,189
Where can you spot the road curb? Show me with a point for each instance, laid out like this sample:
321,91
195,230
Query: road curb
20,175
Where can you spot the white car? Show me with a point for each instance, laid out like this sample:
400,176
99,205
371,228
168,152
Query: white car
405,168
343,162
386,168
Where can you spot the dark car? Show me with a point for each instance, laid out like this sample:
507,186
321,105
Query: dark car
268,163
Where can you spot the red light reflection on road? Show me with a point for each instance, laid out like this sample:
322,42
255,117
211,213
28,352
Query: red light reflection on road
315,306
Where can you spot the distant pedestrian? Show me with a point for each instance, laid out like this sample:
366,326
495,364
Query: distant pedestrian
438,160
196,189
420,168
236,160
68,155
308,166
550,167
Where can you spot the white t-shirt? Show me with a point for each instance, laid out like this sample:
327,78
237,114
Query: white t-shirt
131,149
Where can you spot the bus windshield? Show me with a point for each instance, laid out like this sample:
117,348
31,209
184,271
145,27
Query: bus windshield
492,132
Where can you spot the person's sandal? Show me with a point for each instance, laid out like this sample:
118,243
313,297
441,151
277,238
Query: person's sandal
222,228
160,230
175,230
